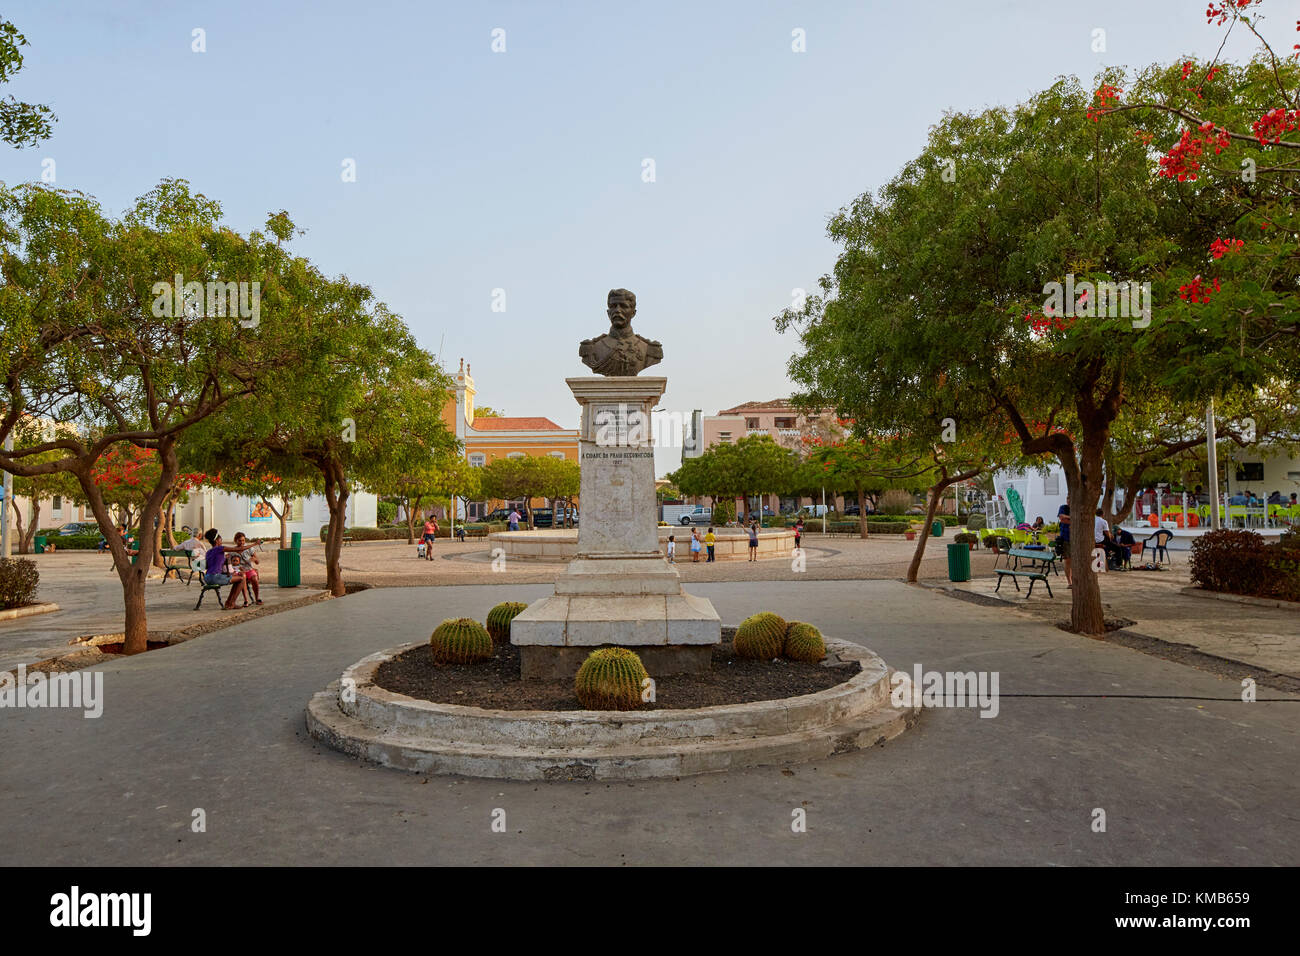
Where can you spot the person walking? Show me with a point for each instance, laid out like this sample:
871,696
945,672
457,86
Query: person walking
753,541
696,544
798,532
430,534
672,549
514,519
710,541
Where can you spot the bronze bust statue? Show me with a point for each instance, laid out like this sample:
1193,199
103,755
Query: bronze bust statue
620,351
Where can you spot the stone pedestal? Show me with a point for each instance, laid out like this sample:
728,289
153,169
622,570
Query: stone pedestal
619,589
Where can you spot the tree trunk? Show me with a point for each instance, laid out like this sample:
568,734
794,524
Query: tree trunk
1086,613
862,512
336,496
155,544
25,538
923,538
169,520
936,496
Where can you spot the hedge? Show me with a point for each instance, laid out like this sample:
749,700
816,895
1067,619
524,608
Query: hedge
72,542
19,580
1240,562
398,533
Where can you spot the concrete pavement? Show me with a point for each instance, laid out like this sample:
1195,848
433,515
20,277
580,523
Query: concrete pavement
1186,773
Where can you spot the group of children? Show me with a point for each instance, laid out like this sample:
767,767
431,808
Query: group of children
709,540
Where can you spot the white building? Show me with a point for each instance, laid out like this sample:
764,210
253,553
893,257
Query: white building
209,508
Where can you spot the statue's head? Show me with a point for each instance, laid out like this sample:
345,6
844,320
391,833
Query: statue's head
621,308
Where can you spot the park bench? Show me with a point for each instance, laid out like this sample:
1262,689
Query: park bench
1033,576
1047,559
348,539
178,561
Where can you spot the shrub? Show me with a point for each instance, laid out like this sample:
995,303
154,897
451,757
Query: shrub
895,502
1239,562
803,642
977,522
610,678
460,640
812,524
499,618
723,511
967,538
75,542
19,580
760,636
386,511
887,527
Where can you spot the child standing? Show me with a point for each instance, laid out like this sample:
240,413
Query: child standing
710,540
672,549
753,541
695,546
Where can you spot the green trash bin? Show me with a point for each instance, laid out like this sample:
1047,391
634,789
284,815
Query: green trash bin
40,544
296,540
936,529
288,568
959,562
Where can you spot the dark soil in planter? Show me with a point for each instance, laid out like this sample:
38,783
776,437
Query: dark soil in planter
496,685
117,647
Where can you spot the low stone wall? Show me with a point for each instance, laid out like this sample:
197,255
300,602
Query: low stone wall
358,717
556,545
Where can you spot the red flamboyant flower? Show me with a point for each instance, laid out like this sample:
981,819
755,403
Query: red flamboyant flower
1219,248
1187,69
1181,163
1223,10
1197,291
1106,95
1274,123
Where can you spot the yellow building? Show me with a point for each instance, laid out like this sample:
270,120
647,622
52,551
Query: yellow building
487,439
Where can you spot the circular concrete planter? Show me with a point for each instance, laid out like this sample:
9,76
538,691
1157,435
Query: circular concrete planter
357,717
562,545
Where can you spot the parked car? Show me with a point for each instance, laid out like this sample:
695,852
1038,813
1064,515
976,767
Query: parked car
697,515
501,514
852,511
79,527
813,511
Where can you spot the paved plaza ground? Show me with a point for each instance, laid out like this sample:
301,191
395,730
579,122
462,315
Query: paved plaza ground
1187,773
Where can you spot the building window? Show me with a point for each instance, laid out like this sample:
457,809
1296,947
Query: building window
516,454
58,505
557,454
477,460
751,423
785,423
724,437
1051,484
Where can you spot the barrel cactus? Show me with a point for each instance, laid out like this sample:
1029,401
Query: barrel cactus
760,636
499,618
803,642
610,679
460,640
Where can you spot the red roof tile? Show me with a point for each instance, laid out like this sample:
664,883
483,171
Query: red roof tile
515,425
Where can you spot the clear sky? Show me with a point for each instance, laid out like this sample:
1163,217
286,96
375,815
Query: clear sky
523,170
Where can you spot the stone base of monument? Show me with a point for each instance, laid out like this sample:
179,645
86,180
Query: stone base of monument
633,601
356,716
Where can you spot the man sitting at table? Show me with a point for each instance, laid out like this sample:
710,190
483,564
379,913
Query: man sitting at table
1275,498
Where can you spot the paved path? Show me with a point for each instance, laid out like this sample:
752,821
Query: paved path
89,594
1186,772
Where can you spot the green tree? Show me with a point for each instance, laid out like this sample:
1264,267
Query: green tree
942,280
90,344
360,406
21,124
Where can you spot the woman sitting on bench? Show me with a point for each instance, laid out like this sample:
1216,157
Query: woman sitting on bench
215,570
247,561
